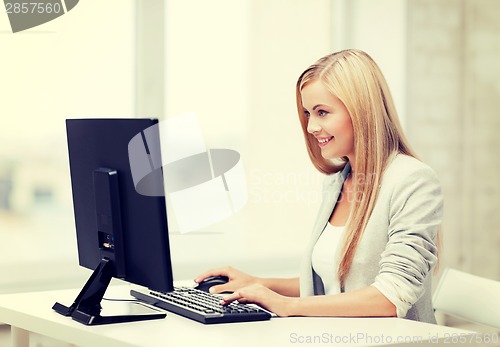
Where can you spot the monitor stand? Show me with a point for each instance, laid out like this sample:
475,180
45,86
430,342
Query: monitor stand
87,308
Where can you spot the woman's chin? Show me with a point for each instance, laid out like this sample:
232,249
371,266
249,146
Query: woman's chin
328,155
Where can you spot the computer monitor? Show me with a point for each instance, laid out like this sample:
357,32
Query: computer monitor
120,231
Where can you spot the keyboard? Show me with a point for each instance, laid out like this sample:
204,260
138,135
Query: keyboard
202,307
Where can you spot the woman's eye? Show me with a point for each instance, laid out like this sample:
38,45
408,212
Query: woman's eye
322,113
307,114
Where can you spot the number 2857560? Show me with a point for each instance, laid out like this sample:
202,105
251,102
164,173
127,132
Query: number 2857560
32,7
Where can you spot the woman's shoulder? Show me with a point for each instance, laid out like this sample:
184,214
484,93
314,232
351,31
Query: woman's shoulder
404,171
403,166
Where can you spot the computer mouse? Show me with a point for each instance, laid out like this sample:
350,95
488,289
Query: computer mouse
209,282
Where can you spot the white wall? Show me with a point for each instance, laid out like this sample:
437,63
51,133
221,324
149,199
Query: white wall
453,99
378,28
235,64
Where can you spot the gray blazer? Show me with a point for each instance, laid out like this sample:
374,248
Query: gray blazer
397,250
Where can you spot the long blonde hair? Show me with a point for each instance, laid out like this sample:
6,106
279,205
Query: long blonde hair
353,77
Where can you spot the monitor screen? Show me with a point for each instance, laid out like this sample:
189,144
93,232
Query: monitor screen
115,220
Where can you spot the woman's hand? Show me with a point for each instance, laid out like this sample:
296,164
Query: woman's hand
237,279
264,297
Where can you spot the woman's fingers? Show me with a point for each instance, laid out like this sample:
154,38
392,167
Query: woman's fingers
221,288
226,300
262,296
223,271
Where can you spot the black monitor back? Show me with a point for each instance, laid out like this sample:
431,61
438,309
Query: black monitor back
103,143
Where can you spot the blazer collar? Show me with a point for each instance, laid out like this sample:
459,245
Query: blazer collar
339,179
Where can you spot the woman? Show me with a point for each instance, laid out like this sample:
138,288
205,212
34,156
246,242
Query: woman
374,242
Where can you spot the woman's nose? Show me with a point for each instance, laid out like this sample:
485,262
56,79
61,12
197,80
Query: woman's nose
313,126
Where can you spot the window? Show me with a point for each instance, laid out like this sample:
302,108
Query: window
78,65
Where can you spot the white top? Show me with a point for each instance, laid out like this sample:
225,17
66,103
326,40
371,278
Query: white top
324,255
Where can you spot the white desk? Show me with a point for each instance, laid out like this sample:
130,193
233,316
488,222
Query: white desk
31,312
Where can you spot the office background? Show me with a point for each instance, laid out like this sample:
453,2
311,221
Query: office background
235,64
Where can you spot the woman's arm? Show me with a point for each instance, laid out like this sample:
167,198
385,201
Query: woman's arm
283,286
366,302
239,279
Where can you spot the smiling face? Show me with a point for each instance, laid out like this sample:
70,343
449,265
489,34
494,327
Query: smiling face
328,121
